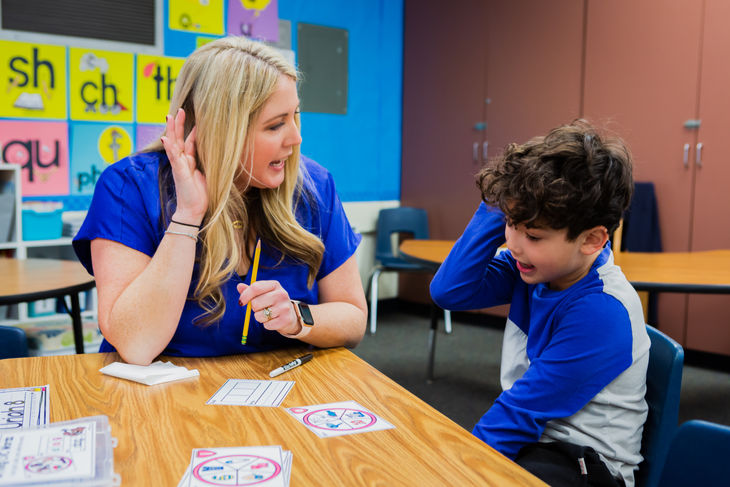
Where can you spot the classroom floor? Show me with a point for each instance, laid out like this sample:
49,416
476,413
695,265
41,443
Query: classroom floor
467,365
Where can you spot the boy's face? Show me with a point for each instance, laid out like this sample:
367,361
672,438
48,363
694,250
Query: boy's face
545,255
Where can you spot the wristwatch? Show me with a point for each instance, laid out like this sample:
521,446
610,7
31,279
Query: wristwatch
303,313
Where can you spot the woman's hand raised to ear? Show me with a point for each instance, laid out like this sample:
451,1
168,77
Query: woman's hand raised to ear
190,187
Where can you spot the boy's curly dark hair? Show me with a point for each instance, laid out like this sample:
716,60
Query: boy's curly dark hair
571,178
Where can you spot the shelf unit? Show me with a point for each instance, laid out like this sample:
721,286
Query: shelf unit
20,247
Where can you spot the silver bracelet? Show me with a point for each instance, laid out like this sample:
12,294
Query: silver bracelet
194,237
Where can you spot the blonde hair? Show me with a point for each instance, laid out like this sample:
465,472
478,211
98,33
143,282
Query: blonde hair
222,87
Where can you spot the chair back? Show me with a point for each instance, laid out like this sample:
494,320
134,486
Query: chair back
398,220
698,455
13,343
663,384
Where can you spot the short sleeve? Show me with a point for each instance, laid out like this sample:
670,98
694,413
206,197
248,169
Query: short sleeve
329,221
124,208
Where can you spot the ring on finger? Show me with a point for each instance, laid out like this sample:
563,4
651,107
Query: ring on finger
268,313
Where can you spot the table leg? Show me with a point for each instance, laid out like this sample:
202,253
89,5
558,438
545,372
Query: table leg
76,319
435,311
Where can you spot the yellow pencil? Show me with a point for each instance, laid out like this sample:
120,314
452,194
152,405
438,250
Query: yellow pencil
254,270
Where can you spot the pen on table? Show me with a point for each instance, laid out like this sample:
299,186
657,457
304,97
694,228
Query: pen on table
294,363
254,270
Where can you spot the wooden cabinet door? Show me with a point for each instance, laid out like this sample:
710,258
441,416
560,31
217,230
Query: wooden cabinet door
641,81
641,66
707,317
444,54
532,51
443,99
534,68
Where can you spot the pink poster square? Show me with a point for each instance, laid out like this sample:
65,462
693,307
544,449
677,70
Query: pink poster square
41,149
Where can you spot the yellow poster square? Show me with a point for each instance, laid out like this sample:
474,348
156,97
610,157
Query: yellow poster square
156,77
33,78
196,16
101,86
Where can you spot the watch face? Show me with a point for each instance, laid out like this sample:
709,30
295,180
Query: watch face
305,314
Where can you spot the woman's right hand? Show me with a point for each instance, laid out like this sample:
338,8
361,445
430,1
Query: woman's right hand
190,185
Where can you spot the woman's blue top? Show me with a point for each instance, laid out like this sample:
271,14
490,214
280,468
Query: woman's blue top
126,208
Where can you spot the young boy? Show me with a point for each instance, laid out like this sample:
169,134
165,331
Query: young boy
575,348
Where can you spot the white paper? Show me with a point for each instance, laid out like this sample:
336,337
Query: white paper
338,418
155,373
268,466
245,392
48,454
23,407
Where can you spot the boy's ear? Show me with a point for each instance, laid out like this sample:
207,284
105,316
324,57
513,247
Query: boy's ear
594,239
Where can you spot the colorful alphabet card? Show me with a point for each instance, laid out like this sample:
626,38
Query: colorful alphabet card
41,149
258,19
156,77
93,147
32,80
101,85
197,16
338,418
262,466
146,134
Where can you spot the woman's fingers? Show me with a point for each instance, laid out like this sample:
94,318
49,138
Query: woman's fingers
180,126
180,150
189,146
270,304
261,295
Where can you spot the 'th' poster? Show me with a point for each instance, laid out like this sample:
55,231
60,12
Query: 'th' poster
156,76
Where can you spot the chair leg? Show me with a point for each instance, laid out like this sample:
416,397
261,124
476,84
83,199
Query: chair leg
447,320
374,301
432,341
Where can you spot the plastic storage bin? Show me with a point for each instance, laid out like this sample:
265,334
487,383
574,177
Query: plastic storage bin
75,453
42,225
7,216
44,307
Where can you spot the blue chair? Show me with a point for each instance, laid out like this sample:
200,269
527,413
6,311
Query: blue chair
391,221
13,343
698,455
663,384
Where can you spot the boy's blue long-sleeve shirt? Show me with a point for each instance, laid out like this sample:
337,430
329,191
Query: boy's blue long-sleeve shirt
573,361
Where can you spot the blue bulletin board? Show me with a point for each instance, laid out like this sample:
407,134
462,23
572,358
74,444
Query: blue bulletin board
81,107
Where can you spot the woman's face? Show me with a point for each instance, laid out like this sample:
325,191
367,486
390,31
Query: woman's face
275,135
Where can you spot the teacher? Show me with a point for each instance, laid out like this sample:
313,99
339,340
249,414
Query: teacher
171,231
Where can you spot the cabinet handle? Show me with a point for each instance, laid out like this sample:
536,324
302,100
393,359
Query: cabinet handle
475,153
485,150
686,155
698,148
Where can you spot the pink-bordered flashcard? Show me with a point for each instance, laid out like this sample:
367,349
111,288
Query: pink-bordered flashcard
338,418
261,466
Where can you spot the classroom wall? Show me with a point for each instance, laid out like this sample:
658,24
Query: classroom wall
63,151
363,148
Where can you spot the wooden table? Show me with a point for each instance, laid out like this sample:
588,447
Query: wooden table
158,426
706,272
26,280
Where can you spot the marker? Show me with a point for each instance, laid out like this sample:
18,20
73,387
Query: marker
294,363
